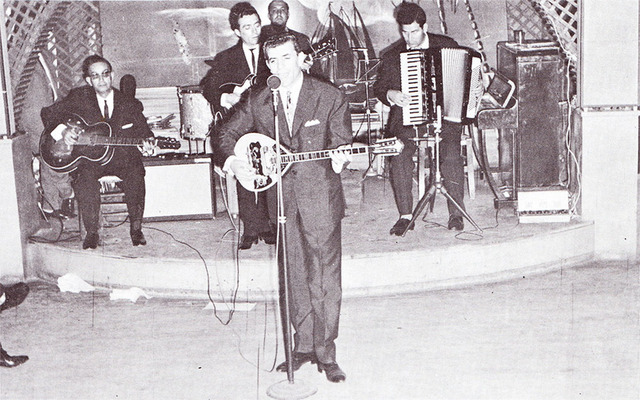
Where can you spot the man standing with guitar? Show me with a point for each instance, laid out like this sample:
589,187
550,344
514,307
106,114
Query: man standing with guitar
96,104
312,115
233,71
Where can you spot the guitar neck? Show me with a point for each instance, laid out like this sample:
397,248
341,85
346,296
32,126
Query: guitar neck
118,141
319,155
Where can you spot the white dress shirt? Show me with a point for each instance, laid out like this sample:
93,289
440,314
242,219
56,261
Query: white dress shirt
109,100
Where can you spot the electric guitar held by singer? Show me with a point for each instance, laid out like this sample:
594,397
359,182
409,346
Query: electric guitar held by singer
95,143
260,152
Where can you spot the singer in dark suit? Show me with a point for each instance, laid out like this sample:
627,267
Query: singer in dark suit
99,101
413,27
315,118
224,86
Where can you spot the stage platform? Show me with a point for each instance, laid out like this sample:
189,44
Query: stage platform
198,258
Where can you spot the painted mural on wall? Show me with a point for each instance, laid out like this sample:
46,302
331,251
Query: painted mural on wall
181,35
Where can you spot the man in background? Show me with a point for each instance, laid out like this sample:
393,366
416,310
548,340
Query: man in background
99,102
57,192
412,23
233,72
279,16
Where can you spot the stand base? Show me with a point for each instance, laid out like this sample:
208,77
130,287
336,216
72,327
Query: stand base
291,390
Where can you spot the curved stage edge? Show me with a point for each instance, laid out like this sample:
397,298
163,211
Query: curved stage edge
368,273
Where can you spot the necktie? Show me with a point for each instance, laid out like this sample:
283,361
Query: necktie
288,112
106,110
253,61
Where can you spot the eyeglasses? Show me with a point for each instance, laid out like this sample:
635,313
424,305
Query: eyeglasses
104,75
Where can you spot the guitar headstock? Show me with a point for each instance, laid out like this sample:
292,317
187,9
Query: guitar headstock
387,147
167,142
324,48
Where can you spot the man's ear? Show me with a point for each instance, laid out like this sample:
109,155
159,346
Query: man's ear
301,58
86,78
237,32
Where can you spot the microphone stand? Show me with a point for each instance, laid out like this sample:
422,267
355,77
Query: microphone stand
288,389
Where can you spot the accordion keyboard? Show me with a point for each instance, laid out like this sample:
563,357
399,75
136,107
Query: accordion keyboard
412,85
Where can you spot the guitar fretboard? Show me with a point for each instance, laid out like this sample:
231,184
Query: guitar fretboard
319,155
116,141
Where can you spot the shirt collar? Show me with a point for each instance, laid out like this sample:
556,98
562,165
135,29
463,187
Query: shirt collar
295,86
423,45
109,100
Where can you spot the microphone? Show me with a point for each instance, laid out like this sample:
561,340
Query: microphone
274,83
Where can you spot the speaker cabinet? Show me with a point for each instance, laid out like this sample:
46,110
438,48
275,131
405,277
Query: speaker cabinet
538,72
179,188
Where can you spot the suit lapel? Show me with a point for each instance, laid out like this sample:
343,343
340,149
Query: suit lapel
241,60
303,108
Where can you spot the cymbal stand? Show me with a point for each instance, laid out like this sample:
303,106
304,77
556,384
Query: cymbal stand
437,185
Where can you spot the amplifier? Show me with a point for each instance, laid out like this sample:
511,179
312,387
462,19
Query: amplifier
543,206
179,187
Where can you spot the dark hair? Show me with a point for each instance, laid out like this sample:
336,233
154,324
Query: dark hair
280,39
238,11
89,61
273,1
408,13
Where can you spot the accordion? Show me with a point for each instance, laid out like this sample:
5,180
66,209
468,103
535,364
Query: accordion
445,78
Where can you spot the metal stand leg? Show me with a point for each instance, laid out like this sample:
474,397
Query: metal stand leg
437,186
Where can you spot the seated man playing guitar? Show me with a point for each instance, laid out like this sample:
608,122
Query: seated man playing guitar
99,104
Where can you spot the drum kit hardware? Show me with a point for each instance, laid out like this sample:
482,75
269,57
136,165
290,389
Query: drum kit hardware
196,118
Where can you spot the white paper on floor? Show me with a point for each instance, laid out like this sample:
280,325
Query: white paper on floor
73,283
229,306
131,294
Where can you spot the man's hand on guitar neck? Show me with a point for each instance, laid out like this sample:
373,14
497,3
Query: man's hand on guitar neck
149,147
340,157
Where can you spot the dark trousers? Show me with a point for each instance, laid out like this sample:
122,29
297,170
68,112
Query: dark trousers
127,166
254,210
314,262
451,166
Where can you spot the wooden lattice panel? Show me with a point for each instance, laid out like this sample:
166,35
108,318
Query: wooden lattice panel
69,31
522,16
561,17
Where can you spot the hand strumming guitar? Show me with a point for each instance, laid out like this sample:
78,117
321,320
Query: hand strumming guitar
70,133
241,169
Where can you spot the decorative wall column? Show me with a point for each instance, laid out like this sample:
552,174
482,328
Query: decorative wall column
608,114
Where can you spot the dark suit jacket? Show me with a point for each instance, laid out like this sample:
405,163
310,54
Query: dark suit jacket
230,66
321,121
126,119
389,76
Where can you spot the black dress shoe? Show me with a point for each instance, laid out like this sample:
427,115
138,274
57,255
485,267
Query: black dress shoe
14,295
246,241
90,241
299,359
456,222
11,361
269,237
137,238
400,226
67,208
333,372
